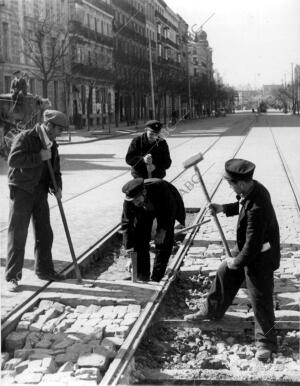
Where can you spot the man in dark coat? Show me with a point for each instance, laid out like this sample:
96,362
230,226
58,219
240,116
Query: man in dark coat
29,183
18,86
255,257
148,154
146,200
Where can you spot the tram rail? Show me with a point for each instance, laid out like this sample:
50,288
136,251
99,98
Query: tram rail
123,360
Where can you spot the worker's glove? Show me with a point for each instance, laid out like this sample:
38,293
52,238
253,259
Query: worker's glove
234,251
150,167
148,159
57,193
160,236
45,154
231,264
215,208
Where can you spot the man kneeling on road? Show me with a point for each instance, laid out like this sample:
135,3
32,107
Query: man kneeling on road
255,257
29,183
146,200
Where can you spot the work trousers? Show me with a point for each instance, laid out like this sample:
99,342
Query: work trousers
260,284
23,206
143,230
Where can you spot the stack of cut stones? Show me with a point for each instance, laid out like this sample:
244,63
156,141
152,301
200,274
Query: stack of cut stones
61,345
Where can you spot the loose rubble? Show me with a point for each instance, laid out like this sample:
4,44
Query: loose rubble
185,353
60,344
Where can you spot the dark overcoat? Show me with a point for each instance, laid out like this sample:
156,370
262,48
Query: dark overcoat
139,147
167,205
26,168
257,224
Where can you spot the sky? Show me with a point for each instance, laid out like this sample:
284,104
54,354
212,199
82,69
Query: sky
254,42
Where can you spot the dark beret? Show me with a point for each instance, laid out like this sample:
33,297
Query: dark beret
133,188
154,125
16,72
239,169
56,117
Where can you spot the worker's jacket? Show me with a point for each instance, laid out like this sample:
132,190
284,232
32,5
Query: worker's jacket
26,168
139,147
257,226
167,206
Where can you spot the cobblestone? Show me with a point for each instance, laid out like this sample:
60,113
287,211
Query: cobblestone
80,350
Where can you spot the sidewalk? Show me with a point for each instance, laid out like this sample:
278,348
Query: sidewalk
93,134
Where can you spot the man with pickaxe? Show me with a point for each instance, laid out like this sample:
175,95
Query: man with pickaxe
29,182
146,200
148,154
254,258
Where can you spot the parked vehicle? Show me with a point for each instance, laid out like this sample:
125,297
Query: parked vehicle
220,112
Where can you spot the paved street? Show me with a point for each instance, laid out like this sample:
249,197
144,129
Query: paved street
95,171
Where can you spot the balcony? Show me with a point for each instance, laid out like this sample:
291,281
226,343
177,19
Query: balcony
99,4
86,70
77,28
129,9
129,33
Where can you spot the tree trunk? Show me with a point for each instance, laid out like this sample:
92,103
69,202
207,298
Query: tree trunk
45,87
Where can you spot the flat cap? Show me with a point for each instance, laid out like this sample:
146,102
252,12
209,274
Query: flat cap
133,188
239,169
154,125
17,72
56,117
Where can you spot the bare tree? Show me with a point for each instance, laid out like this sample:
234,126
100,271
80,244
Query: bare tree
45,46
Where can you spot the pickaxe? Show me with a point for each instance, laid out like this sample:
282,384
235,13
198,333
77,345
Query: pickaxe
192,161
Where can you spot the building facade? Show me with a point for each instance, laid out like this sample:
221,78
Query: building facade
96,57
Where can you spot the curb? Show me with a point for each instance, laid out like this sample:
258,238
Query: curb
105,136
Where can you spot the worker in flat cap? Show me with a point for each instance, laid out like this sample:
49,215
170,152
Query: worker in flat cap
254,258
146,200
29,183
148,154
18,87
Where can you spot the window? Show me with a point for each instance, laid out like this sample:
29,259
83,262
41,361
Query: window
95,21
166,53
5,41
166,33
159,28
178,58
7,82
32,86
159,50
55,85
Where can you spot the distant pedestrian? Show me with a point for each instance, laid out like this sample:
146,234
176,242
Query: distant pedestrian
18,86
148,154
145,201
29,183
255,257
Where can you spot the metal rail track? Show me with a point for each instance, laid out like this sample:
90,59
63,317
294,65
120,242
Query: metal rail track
121,362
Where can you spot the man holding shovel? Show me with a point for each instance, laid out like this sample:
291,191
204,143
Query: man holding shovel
253,260
145,201
29,183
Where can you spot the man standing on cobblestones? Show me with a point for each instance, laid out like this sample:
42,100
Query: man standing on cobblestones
255,257
148,154
29,183
145,201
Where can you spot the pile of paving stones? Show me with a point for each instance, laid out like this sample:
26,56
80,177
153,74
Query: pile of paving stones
216,354
59,344
222,353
